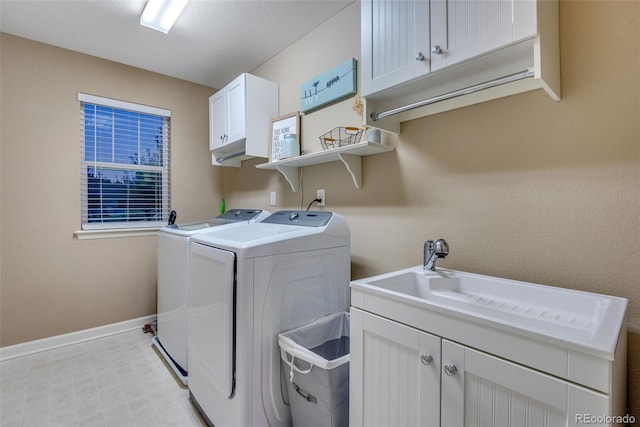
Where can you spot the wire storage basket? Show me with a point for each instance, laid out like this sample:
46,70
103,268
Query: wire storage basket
340,136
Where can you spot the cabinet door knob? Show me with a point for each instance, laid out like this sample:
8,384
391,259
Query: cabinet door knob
437,49
420,57
426,359
450,369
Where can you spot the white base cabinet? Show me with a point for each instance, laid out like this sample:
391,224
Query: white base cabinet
394,374
483,390
403,376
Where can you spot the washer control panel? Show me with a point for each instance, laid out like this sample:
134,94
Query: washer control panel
305,218
240,214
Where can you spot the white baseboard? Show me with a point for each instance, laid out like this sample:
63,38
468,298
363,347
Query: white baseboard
30,347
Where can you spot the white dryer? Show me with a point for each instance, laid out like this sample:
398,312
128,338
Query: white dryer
172,293
247,285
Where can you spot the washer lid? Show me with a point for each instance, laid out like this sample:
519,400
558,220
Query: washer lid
251,235
193,226
280,234
232,216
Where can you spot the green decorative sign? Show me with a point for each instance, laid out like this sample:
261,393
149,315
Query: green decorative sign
330,86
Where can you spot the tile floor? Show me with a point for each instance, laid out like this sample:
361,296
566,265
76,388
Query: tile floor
118,380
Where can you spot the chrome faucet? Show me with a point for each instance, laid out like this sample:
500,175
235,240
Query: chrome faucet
433,251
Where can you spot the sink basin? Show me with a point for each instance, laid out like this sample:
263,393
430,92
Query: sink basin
586,319
492,296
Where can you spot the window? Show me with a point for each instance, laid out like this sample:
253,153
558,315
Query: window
125,164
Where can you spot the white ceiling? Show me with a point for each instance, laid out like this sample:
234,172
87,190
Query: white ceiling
212,42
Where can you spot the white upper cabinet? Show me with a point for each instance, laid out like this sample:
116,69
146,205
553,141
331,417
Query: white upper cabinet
239,118
463,29
419,49
239,108
395,35
217,120
227,110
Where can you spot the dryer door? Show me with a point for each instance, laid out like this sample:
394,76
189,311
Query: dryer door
211,301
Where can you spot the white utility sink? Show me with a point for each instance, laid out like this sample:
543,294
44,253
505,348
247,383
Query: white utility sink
581,319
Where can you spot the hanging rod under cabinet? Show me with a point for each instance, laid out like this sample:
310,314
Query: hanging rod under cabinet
230,156
466,91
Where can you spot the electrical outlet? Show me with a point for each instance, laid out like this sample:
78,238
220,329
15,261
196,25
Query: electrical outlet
320,195
273,198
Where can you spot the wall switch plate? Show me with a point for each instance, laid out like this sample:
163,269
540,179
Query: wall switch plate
320,195
273,200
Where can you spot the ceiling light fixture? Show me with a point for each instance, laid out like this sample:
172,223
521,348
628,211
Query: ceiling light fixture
161,14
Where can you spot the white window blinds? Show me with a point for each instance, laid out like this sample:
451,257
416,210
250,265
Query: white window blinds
125,164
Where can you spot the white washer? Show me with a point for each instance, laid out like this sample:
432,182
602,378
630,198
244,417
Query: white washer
173,269
247,285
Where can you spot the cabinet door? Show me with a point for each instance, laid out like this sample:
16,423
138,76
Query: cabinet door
236,109
394,374
463,29
395,42
482,390
217,119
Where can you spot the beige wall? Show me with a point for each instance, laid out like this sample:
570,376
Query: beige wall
51,283
521,187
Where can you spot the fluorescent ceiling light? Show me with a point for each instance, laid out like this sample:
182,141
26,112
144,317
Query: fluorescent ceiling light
161,14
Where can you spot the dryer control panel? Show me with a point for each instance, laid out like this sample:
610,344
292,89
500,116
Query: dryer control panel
305,218
240,214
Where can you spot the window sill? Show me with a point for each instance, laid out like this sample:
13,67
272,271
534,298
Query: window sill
116,233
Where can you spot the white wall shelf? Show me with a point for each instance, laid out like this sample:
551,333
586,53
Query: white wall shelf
349,155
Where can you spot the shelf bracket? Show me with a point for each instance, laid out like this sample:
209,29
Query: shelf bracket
354,167
290,173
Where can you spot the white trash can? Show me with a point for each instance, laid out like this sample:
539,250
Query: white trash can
316,364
